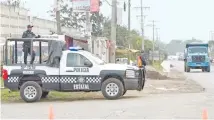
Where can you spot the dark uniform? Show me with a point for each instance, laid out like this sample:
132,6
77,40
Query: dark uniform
27,45
143,59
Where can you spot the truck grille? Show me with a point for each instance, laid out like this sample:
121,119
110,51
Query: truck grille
198,58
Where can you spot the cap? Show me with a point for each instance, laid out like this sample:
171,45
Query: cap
29,26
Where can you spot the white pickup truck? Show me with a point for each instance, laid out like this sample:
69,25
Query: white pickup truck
79,70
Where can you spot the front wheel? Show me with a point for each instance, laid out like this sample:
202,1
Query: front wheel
208,69
112,88
187,69
203,69
30,91
124,92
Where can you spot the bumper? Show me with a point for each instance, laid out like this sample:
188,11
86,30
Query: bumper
198,65
12,85
131,84
135,83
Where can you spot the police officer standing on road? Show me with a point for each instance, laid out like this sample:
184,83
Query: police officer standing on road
27,44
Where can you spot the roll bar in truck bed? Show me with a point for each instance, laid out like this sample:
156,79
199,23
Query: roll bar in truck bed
40,40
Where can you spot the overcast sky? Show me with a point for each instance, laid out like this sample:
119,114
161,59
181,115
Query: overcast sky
177,19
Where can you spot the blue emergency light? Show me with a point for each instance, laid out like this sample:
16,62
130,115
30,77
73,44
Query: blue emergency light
75,48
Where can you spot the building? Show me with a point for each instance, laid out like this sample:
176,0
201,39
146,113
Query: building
14,21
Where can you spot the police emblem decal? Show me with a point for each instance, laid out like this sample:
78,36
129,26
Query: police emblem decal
81,79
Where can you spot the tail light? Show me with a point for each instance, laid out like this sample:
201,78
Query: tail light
4,74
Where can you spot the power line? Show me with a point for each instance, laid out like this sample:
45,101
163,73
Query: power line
153,39
142,21
107,2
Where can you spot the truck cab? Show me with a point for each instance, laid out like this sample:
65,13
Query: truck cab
196,56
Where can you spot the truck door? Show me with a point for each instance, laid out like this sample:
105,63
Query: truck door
78,76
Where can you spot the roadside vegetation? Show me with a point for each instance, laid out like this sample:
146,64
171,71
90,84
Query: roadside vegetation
157,65
14,96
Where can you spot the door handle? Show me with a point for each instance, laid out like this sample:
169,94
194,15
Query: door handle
69,70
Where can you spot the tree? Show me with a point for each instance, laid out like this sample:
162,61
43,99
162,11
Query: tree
68,18
211,45
97,19
14,3
178,45
77,20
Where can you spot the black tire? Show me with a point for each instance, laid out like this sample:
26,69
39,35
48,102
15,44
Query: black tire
208,69
203,69
35,87
124,92
44,94
188,69
185,68
119,85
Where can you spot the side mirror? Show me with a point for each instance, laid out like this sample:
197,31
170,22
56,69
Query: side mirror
87,63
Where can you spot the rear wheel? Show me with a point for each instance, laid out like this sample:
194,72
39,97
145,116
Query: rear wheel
30,91
112,88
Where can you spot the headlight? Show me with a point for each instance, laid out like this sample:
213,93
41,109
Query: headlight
130,73
189,58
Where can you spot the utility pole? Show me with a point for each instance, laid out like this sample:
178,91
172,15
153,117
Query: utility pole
153,40
157,40
88,31
142,24
129,19
129,28
142,21
113,30
58,16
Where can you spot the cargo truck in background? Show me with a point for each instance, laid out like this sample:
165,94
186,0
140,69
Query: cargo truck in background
196,56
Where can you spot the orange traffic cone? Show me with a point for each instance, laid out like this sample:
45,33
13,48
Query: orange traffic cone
51,115
204,115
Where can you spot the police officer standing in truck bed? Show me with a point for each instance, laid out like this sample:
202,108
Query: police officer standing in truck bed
27,44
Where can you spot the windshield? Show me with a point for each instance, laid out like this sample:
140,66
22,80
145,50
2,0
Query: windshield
95,58
193,50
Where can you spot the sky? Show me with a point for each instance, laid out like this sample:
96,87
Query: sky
176,19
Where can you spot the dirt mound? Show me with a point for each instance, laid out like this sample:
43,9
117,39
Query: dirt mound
152,73
174,74
155,75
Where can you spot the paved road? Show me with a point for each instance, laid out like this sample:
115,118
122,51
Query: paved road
162,106
205,79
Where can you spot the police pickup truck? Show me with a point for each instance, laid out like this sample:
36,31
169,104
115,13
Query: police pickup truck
79,70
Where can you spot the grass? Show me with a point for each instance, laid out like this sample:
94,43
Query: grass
7,96
2,82
157,65
14,96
